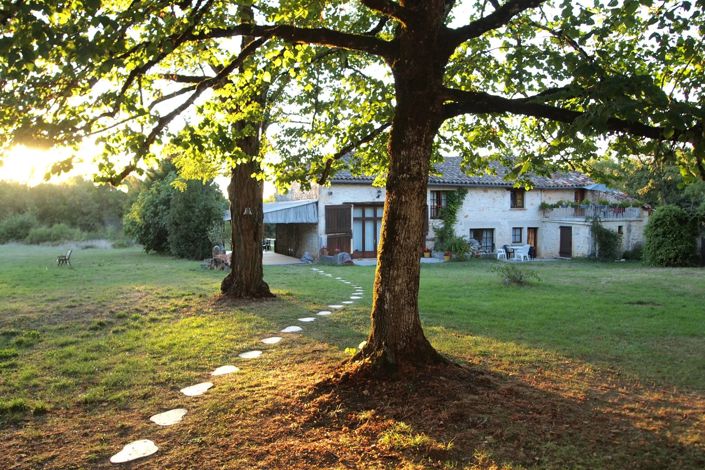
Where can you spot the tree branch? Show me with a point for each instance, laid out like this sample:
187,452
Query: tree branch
215,82
179,78
387,8
294,34
349,148
474,102
494,20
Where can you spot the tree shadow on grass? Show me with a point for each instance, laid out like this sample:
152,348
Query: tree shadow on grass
457,417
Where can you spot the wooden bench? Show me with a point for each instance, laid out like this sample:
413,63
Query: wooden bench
64,259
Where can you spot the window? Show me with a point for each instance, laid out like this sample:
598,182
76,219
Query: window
620,229
485,237
367,226
516,234
580,195
438,202
517,198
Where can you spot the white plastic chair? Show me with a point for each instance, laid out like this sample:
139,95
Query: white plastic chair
521,253
501,254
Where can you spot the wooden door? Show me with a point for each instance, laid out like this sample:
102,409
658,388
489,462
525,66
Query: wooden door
338,228
532,238
566,243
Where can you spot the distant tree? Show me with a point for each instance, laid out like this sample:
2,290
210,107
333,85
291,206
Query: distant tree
78,203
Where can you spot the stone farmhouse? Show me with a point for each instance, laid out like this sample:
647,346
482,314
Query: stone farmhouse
347,215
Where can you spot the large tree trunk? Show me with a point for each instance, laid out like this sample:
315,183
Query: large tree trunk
246,278
245,193
396,338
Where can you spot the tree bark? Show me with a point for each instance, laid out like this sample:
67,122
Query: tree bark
246,278
396,338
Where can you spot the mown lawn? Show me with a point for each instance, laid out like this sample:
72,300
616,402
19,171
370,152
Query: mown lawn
596,366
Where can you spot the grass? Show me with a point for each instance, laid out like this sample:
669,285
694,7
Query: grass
595,366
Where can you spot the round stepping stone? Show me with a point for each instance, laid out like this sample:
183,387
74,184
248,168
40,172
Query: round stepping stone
335,306
307,319
272,340
355,297
339,278
347,282
348,302
135,450
169,417
222,370
250,354
292,329
324,312
196,390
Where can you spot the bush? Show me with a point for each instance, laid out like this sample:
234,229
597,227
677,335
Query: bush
191,213
609,243
167,220
146,221
459,248
54,234
16,227
512,274
670,237
635,254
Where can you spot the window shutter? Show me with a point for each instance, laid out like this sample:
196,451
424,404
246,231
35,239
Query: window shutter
338,220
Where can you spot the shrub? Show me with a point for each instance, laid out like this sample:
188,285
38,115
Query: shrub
609,242
146,220
54,234
512,274
459,248
635,254
670,237
16,227
191,213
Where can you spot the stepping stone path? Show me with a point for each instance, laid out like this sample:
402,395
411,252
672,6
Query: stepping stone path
292,329
272,340
222,370
169,417
135,450
144,447
196,390
250,354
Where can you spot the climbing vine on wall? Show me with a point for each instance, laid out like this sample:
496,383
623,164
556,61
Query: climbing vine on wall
608,242
445,234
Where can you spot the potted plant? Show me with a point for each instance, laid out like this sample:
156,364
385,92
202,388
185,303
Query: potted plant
446,256
426,252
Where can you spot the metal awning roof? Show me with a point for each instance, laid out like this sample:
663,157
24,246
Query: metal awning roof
288,212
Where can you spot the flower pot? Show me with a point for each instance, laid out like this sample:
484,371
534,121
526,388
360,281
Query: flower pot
446,257
426,254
